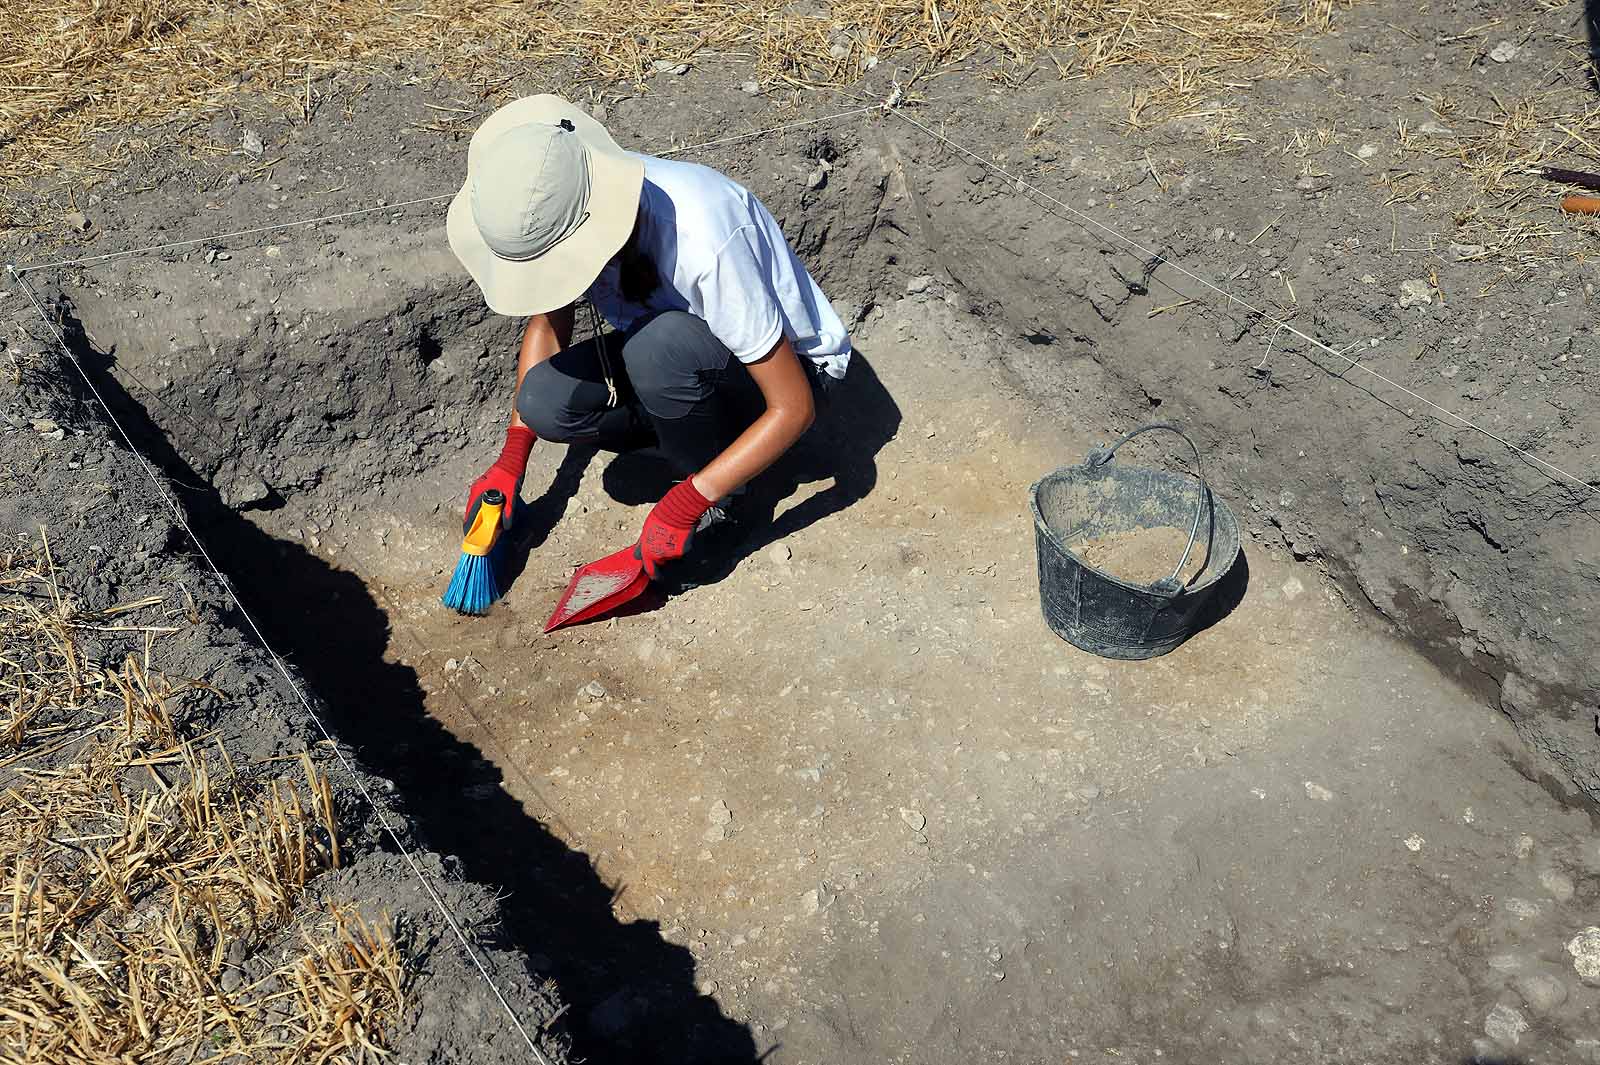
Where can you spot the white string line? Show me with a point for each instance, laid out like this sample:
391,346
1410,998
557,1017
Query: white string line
358,212
1155,256
17,275
219,237
372,803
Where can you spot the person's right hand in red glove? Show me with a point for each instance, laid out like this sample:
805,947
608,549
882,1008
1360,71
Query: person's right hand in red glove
505,474
669,526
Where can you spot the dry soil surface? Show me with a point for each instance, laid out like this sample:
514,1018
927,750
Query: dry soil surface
854,802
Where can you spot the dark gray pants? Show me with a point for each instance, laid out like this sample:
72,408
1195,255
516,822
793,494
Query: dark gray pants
678,387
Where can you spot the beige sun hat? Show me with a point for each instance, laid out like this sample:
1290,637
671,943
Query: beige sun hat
549,199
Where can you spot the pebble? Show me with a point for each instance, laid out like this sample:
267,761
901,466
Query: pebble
920,283
1415,292
667,66
750,88
252,144
716,834
779,552
719,814
451,665
1463,252
1542,992
1414,843
1559,884
1292,589
1505,1025
1504,52
1585,950
1366,151
1318,792
1524,847
79,221
913,818
594,691
816,900
817,178
1522,908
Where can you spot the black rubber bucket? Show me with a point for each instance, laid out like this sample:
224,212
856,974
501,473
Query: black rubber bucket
1106,615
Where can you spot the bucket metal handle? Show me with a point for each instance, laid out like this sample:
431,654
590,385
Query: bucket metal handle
1102,455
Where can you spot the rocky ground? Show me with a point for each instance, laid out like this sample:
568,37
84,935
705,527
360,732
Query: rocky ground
855,802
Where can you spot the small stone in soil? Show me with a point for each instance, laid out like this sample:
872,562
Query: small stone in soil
1415,292
1558,884
1585,950
1505,1025
719,813
1541,991
1318,792
913,818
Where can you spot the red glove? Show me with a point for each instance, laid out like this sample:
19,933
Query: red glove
505,474
671,522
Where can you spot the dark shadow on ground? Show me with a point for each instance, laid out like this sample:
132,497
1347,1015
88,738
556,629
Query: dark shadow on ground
631,994
534,520
1226,597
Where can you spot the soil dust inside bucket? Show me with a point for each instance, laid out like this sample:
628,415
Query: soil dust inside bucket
1142,556
1127,596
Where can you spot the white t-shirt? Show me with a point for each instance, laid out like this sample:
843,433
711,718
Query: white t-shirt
723,258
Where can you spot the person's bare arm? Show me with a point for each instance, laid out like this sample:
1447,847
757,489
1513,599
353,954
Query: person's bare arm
544,335
790,412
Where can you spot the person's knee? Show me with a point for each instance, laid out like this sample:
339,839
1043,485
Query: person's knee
665,360
541,407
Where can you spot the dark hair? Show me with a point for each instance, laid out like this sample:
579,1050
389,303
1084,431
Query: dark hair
639,276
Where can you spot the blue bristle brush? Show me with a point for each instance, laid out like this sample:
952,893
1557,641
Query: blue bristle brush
475,583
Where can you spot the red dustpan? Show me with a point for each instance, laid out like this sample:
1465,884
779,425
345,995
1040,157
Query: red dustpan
599,588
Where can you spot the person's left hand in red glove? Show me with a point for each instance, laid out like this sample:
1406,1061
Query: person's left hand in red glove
669,525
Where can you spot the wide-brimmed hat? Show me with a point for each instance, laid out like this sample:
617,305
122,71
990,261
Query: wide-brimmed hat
549,199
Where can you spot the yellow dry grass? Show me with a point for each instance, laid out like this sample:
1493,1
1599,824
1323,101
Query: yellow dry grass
131,859
86,81
1494,151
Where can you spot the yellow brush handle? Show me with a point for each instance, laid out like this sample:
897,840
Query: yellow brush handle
485,530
